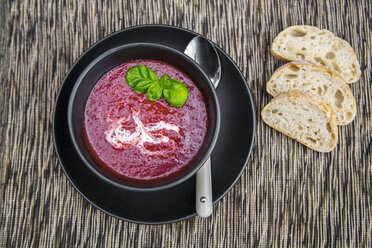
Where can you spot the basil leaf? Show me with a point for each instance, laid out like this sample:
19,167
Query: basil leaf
166,81
154,92
176,94
140,77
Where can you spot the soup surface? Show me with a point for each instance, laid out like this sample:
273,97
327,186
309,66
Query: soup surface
139,139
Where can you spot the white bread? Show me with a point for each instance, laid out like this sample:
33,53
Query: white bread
304,117
317,80
307,43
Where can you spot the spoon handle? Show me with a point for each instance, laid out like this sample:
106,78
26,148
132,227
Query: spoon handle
203,190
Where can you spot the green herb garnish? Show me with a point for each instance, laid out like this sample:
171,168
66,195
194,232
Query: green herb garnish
140,78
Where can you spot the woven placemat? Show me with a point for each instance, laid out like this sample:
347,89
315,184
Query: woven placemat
288,195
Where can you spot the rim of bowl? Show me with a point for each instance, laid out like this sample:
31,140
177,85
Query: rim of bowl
145,187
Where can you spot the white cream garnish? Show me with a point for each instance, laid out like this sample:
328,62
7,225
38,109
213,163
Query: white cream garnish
120,137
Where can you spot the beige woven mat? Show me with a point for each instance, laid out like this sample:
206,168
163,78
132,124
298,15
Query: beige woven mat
288,195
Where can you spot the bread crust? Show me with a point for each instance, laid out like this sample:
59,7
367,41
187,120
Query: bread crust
313,100
316,31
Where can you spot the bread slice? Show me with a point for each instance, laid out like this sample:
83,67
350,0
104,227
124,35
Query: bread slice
317,80
304,117
307,43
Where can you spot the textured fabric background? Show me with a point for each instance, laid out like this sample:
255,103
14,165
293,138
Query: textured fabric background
288,195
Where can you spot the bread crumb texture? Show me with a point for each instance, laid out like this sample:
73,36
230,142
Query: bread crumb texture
304,117
321,47
316,80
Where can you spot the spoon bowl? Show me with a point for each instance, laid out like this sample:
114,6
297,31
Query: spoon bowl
204,53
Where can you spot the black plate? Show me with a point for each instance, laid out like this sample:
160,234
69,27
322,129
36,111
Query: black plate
229,157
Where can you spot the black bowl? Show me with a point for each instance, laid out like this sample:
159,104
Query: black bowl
113,58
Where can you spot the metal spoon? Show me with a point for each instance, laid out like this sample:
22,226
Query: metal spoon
204,53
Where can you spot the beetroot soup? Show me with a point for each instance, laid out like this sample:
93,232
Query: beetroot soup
139,139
